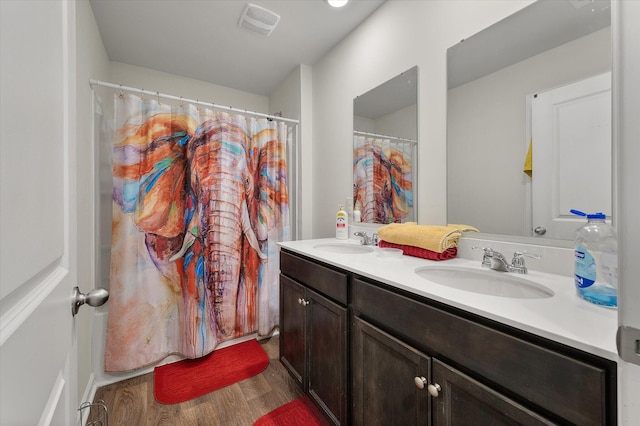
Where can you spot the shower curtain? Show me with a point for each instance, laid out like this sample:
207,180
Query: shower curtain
382,179
199,202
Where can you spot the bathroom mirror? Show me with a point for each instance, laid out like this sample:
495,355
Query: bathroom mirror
496,80
385,134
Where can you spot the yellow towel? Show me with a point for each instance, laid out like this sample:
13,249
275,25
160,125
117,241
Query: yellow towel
428,237
528,161
463,228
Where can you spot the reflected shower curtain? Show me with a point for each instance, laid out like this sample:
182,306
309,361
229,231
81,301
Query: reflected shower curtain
199,202
382,179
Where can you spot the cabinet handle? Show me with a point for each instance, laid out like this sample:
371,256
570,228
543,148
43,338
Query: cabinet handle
305,302
434,390
300,300
420,382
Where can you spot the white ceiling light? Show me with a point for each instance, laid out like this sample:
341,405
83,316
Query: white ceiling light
337,3
258,19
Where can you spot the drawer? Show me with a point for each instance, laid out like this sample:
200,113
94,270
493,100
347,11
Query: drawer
327,281
567,387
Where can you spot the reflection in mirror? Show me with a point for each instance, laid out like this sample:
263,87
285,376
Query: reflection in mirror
385,134
528,122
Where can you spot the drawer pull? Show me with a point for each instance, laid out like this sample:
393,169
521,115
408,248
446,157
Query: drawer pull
303,302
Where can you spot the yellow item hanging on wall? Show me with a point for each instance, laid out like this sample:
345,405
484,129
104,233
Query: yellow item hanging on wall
528,161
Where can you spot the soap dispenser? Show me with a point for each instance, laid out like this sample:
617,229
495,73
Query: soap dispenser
342,224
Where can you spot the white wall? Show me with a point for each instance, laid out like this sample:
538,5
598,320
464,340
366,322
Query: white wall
399,35
487,126
156,81
293,99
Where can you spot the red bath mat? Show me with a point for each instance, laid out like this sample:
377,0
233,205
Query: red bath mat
190,378
299,412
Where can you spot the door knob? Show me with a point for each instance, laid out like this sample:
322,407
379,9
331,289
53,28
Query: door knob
97,297
540,230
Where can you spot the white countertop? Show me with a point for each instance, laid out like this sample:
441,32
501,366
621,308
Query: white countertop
563,318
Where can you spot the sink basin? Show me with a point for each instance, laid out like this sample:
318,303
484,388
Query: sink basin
484,282
343,248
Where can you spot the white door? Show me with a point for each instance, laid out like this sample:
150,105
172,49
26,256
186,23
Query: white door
571,133
38,373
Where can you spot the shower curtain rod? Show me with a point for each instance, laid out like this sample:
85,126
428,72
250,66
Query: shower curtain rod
93,82
375,135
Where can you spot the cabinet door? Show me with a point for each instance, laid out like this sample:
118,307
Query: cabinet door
384,373
327,332
464,401
292,330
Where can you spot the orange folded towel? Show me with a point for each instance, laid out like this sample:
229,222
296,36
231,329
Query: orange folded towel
428,237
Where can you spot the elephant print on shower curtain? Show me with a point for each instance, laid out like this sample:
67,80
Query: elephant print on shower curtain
194,233
222,183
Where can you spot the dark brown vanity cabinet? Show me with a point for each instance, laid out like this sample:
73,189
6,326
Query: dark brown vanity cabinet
409,360
313,332
425,364
383,374
394,383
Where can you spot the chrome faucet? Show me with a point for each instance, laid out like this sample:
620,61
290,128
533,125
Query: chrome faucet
366,240
498,262
495,260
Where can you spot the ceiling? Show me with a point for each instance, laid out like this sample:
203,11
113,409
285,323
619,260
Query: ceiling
201,39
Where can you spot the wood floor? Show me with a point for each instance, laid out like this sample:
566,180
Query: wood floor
131,402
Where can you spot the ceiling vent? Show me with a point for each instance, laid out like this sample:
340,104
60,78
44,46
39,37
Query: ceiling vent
258,19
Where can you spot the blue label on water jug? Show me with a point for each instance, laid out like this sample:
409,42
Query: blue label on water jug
585,268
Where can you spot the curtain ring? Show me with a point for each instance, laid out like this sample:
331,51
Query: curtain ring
121,94
158,94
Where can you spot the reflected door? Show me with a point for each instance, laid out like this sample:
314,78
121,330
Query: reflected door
571,134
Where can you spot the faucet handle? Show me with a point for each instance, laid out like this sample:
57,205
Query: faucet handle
517,263
488,254
487,250
518,257
365,239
